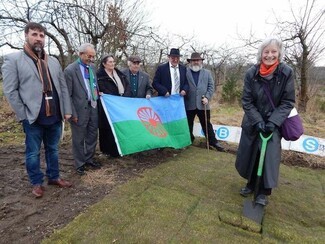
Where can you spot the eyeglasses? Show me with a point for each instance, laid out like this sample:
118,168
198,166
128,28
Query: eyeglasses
136,63
89,56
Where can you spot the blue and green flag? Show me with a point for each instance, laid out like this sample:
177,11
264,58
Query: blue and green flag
140,124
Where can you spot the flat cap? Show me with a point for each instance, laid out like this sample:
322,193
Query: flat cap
134,58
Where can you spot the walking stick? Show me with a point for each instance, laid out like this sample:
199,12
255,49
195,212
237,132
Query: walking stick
206,124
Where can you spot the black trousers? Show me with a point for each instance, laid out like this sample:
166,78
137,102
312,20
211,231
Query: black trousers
200,114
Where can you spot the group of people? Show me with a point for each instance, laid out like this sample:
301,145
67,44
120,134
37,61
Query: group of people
42,96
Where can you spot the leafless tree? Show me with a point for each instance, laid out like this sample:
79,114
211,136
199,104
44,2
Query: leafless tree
109,25
303,35
304,38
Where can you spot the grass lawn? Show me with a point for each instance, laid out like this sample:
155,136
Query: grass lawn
185,200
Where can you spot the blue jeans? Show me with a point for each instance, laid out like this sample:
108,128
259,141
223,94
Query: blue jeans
50,135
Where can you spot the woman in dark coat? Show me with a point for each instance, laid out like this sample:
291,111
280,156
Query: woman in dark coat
114,82
261,117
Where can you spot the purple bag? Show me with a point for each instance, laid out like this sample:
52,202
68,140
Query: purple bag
291,129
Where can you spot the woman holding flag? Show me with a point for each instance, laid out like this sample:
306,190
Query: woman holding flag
110,81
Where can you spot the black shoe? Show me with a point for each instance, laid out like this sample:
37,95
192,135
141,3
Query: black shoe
93,165
218,147
262,200
81,170
245,191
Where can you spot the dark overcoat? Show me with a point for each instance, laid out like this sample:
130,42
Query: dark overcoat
257,107
108,86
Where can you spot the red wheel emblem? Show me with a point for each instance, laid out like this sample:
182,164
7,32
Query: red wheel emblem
151,121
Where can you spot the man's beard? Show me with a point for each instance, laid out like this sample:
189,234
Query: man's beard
196,68
37,47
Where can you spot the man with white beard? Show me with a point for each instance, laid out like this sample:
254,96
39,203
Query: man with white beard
197,100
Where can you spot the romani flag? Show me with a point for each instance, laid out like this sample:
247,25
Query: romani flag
140,124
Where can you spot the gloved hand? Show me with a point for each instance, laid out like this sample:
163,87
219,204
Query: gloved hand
269,127
260,126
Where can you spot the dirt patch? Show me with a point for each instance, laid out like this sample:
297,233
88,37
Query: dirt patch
24,219
303,160
292,158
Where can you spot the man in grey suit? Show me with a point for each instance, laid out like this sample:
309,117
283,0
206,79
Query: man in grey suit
35,87
197,100
139,81
82,84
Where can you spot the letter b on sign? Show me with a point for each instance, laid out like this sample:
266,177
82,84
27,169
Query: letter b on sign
222,132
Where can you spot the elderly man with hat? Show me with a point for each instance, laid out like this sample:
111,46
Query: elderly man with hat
170,78
201,89
140,84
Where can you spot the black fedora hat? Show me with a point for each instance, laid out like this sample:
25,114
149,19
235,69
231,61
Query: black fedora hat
174,52
195,56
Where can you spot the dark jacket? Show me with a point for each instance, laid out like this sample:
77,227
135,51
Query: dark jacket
257,107
108,86
162,80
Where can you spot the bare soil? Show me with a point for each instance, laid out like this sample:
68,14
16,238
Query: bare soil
24,219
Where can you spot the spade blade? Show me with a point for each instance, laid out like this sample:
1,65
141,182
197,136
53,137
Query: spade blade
253,211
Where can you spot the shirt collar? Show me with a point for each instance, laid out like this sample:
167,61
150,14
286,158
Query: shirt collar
136,74
171,66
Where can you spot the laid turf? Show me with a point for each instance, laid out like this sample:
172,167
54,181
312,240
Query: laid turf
187,200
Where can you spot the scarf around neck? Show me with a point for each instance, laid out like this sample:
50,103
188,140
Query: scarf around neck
117,80
43,71
267,70
89,75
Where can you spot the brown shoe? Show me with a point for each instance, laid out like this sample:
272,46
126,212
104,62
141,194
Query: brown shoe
38,191
60,182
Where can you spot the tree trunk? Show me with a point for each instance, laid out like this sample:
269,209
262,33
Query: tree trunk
303,95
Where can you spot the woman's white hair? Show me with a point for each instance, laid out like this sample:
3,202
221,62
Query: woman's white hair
265,43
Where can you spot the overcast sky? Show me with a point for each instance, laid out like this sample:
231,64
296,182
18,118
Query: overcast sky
218,22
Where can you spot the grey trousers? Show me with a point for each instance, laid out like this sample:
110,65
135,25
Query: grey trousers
84,138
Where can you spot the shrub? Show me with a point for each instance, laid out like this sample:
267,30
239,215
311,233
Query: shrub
230,91
321,105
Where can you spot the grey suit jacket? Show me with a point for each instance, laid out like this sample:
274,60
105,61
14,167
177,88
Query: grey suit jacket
78,92
23,88
144,84
204,87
